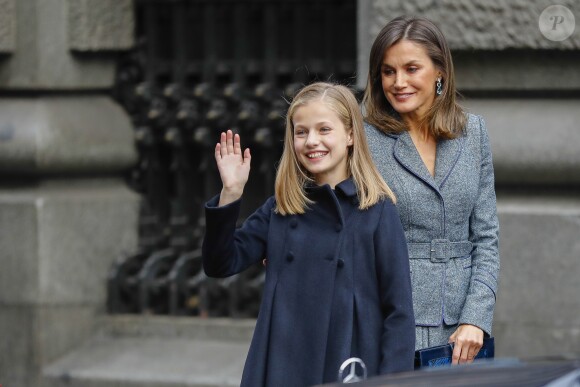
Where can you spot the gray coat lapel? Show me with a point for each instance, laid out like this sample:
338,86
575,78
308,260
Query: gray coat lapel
407,155
448,152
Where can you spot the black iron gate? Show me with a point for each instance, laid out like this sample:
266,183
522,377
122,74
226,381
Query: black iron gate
201,67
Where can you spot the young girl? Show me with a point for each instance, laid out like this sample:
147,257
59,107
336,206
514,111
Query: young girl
337,273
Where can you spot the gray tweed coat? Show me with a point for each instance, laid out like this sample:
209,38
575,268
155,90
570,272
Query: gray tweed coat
450,223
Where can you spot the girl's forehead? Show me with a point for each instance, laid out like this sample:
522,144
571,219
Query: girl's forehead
315,108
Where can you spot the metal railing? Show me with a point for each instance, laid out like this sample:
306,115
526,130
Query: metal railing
201,67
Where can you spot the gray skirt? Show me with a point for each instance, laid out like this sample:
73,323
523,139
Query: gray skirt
432,336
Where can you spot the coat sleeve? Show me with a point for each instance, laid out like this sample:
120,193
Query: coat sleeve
392,262
484,234
227,250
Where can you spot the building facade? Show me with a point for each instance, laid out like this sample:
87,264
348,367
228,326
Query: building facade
108,109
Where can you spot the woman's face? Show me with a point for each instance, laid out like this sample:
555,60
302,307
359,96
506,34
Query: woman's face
408,77
321,142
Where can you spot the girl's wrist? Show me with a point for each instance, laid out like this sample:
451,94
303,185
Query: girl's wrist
229,195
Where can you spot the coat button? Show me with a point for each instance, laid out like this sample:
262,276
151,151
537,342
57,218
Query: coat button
293,223
290,257
340,263
338,227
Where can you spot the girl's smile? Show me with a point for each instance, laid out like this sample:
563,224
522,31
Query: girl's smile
316,155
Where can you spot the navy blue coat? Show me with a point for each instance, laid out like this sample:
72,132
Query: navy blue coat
337,286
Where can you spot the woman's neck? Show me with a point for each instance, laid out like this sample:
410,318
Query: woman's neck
417,129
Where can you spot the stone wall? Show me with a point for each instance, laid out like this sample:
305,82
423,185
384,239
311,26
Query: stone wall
47,40
527,88
7,26
65,210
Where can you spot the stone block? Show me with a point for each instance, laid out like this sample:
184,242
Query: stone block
144,326
7,26
537,306
61,328
96,25
81,134
533,141
17,364
501,71
535,341
480,25
160,358
19,252
42,58
33,336
61,249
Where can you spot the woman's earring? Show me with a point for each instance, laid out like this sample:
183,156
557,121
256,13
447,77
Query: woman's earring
439,86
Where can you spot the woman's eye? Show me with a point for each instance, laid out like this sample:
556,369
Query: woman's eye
388,72
325,129
412,69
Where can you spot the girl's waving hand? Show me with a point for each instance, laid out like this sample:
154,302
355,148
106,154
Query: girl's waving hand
233,166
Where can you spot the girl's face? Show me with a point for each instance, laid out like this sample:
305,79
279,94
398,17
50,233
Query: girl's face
321,143
408,78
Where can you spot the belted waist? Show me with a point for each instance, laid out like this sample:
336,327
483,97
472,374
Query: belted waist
439,250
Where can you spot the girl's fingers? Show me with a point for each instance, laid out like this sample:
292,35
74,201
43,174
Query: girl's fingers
223,146
237,146
247,156
218,152
230,142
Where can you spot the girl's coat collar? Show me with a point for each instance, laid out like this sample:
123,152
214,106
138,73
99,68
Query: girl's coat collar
328,200
347,187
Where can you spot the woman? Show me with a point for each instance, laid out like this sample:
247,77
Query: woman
437,160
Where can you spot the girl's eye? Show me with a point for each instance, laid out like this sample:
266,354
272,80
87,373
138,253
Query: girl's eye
325,129
299,132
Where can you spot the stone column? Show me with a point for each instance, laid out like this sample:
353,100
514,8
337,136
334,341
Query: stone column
65,211
527,88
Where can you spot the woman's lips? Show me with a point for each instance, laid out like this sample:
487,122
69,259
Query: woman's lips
403,96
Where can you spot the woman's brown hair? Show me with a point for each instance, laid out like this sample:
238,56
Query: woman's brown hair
445,119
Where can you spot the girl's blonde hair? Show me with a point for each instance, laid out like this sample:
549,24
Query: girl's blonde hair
445,119
291,177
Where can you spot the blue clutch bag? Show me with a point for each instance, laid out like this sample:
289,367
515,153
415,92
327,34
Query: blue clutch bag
441,355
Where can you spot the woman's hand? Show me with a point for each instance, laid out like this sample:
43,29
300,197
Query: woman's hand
468,340
234,167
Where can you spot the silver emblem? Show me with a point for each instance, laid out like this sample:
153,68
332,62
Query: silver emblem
355,370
